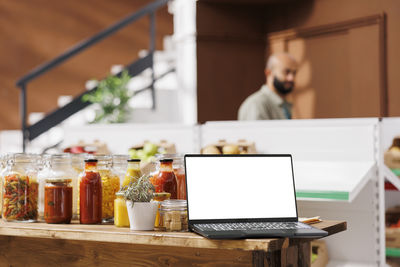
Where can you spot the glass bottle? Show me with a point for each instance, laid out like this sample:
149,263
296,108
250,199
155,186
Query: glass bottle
119,166
165,181
58,200
173,215
133,172
121,218
110,183
90,191
179,170
20,188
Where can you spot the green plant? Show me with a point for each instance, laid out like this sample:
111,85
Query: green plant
112,95
140,190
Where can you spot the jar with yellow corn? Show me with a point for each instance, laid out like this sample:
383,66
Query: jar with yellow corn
110,183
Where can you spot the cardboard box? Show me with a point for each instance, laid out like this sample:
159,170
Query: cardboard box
393,237
319,247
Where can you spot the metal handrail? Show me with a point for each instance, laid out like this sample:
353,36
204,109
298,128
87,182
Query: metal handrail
42,69
36,72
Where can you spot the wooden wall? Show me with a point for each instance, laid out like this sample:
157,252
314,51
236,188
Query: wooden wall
347,49
33,32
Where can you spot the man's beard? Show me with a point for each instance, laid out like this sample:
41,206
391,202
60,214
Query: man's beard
281,88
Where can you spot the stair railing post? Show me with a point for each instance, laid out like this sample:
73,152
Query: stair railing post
23,116
152,50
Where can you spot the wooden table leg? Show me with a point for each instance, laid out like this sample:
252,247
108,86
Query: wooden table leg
289,256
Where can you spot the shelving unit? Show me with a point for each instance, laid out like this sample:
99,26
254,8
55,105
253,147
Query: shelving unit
338,165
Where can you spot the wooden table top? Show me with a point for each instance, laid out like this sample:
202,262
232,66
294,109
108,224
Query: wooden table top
111,233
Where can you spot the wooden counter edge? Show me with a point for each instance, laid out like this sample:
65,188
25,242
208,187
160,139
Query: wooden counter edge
109,233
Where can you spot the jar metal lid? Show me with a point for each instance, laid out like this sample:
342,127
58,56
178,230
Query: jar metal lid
174,204
166,160
133,160
90,160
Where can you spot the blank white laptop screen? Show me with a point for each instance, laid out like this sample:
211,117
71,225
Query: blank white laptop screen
240,187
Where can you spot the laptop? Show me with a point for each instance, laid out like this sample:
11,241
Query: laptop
243,196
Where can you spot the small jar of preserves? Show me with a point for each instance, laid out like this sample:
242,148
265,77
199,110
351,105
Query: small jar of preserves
20,188
159,198
133,172
58,200
90,194
121,218
110,183
173,216
165,180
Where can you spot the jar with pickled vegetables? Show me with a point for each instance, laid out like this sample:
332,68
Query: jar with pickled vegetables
90,190
133,172
78,164
110,183
20,188
121,218
165,180
58,200
119,166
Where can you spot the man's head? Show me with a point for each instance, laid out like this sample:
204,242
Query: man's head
280,72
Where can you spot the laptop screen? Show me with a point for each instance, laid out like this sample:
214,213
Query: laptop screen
240,187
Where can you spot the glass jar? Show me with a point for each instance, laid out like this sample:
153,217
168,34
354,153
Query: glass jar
165,180
133,172
78,164
42,175
110,183
121,218
159,198
58,200
3,165
173,216
119,166
90,191
20,188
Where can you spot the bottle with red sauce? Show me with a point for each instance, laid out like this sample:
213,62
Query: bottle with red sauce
90,194
58,200
166,181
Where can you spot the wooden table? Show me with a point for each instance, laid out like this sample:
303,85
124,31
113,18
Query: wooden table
40,244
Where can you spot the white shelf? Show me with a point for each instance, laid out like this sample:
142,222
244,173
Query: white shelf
333,181
348,264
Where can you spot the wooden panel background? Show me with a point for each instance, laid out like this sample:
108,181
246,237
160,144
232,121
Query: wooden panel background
339,68
348,73
33,32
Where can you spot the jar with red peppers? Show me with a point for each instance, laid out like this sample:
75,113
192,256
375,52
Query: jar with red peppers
90,194
165,180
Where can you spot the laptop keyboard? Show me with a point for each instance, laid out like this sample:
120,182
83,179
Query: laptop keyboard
252,226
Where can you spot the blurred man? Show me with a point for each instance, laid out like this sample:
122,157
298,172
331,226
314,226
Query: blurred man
270,102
